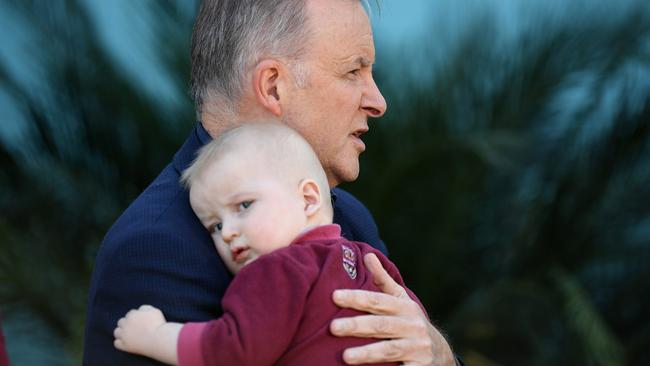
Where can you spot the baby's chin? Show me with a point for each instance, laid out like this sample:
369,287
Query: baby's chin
236,267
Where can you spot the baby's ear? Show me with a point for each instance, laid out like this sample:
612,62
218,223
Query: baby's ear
310,192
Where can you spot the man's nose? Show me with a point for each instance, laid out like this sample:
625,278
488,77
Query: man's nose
373,101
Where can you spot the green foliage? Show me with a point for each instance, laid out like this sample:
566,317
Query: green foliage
510,183
509,179
91,141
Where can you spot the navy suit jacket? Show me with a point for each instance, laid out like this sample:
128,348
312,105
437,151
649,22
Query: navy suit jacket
158,253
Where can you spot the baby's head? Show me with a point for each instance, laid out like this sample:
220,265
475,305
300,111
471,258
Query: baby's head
256,188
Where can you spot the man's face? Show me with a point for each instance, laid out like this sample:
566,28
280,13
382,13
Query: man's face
248,210
332,108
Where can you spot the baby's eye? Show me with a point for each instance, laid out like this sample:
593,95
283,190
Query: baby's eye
246,204
218,226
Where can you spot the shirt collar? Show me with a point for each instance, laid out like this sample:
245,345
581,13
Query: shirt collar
204,136
322,232
333,196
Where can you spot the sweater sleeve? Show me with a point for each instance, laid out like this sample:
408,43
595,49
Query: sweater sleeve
262,310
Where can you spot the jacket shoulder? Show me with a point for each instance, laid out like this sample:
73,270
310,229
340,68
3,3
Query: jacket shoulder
356,221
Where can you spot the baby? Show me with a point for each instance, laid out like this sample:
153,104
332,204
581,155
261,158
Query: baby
261,192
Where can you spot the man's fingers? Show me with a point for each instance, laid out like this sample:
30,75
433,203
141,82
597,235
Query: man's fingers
385,351
374,302
380,277
373,326
410,338
378,326
367,301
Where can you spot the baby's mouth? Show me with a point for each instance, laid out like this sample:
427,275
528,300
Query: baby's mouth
240,255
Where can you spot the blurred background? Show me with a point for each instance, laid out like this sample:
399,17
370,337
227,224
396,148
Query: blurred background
510,176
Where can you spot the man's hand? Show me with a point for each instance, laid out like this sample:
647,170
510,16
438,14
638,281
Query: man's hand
410,338
146,332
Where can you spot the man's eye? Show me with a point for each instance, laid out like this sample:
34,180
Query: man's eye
246,204
355,72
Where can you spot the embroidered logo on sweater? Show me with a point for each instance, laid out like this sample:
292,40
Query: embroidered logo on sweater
349,261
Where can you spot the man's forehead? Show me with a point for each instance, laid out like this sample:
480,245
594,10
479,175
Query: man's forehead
341,31
342,15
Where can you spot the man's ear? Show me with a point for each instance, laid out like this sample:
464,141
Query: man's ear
310,192
269,79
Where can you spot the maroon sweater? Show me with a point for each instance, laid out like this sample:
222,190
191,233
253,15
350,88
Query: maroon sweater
278,309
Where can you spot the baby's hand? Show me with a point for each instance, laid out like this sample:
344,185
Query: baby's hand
136,331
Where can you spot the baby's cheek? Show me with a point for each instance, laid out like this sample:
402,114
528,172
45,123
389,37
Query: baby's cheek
221,250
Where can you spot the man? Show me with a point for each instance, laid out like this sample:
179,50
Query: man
307,64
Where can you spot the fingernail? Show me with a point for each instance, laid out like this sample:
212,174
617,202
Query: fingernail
338,326
351,355
339,295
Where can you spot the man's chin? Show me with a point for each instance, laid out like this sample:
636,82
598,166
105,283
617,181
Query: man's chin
343,176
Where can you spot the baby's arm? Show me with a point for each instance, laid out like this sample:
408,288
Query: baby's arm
258,323
146,332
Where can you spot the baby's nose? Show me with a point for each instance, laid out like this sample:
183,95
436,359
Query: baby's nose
228,233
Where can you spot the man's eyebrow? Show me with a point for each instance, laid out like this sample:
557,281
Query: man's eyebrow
363,61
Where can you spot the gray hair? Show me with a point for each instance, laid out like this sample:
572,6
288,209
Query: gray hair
230,36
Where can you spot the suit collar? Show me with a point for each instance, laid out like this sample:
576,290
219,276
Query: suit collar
186,154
